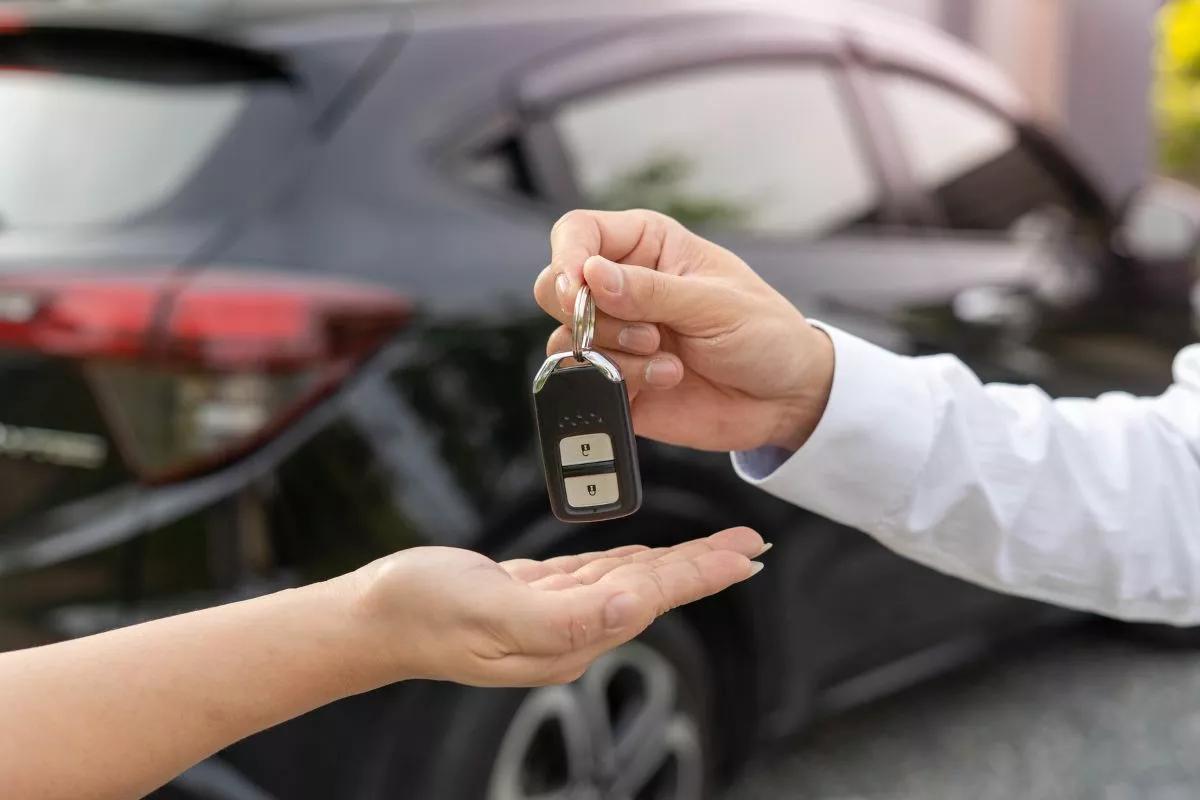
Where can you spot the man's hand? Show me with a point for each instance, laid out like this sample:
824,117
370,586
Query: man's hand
449,614
713,356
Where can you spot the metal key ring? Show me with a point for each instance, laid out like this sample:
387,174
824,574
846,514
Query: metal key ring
583,328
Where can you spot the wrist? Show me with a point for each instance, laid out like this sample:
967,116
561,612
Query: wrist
373,650
801,410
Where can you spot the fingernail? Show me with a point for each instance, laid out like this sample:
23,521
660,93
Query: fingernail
638,339
620,611
562,285
755,568
662,372
765,548
612,277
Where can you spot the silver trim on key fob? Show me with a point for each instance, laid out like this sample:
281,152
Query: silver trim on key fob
597,360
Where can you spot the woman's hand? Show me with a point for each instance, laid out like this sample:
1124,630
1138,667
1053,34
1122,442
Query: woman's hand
449,614
713,356
170,692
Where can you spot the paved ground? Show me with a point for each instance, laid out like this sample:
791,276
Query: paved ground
1085,715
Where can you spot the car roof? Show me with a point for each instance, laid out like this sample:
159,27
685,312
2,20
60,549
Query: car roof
879,36
885,36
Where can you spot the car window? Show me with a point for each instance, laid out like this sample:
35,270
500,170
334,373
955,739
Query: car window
971,160
766,149
107,128
143,142
498,167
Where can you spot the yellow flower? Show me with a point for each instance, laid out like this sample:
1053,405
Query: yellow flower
1177,89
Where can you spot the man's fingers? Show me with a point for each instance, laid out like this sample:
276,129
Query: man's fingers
633,337
661,370
546,295
636,235
642,338
694,305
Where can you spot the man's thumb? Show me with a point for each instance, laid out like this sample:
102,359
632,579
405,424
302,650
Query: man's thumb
689,304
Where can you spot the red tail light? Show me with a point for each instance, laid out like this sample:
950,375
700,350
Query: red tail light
191,372
11,22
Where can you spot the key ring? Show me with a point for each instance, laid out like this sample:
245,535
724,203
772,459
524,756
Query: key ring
583,328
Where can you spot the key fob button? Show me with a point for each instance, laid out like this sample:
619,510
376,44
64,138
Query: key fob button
588,491
589,448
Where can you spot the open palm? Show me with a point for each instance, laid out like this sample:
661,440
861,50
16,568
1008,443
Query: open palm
525,622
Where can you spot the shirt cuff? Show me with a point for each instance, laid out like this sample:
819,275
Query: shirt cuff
862,460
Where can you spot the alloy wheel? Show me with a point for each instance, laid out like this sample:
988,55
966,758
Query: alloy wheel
620,732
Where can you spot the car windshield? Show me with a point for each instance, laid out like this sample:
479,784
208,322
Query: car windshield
90,148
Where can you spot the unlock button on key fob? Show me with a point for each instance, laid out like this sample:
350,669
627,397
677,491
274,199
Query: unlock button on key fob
590,448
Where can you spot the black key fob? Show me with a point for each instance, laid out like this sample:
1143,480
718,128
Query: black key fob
588,449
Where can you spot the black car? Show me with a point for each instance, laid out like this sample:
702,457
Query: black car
265,315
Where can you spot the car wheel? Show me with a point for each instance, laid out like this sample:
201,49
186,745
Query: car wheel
636,726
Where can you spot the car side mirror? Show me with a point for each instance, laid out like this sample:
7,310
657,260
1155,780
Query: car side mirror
1160,225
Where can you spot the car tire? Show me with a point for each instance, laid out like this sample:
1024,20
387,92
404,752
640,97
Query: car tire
636,725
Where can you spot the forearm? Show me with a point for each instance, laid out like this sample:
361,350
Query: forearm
118,714
1086,503
1091,504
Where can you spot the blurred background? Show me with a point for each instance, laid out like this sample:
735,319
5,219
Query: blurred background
265,315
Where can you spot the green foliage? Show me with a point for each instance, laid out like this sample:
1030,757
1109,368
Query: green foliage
659,184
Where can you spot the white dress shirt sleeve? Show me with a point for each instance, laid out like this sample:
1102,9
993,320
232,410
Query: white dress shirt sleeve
1091,504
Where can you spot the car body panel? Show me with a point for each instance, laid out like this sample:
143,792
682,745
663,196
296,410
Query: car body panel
431,440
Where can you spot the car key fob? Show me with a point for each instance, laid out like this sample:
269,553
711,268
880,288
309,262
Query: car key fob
588,449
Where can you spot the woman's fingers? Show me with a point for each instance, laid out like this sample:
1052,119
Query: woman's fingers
528,570
738,540
632,591
570,563
741,540
591,567
624,602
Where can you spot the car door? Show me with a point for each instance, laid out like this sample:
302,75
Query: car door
764,148
994,184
